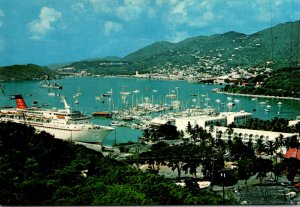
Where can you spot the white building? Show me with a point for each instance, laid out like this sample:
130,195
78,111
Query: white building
294,122
202,121
238,118
247,134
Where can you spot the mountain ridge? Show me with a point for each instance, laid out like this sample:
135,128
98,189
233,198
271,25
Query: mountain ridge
278,45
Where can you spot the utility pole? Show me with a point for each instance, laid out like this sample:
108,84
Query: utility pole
223,176
212,175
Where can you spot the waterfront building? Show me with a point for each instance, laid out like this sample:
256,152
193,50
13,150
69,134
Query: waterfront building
250,134
237,118
202,121
206,121
157,121
294,122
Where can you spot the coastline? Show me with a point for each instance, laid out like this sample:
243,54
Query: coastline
258,96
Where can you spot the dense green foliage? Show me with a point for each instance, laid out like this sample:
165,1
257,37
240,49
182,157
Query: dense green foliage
283,82
209,152
274,125
37,169
164,131
23,72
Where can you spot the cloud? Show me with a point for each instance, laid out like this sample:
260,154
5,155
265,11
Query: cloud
126,10
178,36
112,27
267,12
44,24
78,7
192,13
1,15
104,6
2,45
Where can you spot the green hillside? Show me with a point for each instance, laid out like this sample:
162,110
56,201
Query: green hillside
23,72
282,82
149,51
275,47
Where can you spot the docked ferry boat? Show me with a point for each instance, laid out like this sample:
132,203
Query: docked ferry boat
50,84
64,123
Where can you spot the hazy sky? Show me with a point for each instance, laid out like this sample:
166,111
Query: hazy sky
54,31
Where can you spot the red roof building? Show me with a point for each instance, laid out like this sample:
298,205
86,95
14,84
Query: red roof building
293,153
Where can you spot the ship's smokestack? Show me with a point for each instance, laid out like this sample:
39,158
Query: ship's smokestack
19,101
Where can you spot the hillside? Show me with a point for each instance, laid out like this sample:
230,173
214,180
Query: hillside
283,82
23,72
278,46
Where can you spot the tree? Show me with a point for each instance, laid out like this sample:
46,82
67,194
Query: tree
239,150
123,195
260,146
229,132
219,143
262,167
146,134
271,148
245,169
168,131
297,128
278,168
37,169
292,166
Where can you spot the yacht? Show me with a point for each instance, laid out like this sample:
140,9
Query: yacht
50,84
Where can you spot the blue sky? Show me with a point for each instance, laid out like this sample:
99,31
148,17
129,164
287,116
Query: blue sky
55,31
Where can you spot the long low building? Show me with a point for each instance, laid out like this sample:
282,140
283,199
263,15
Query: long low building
247,134
204,121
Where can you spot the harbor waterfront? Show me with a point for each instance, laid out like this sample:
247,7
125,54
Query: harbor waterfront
116,94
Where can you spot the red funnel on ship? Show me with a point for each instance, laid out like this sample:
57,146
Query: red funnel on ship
20,101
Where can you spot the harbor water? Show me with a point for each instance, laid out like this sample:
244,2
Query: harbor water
82,93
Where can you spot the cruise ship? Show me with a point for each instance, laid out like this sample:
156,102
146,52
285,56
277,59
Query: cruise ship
64,123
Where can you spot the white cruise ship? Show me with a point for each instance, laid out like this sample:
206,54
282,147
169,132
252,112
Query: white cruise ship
64,123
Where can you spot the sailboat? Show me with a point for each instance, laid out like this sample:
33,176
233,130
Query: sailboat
124,92
108,93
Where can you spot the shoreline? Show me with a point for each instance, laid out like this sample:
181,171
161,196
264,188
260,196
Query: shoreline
259,96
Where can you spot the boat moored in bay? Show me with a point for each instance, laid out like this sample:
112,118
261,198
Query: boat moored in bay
50,84
64,123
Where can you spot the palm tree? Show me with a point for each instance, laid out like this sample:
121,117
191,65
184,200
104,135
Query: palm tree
146,134
219,134
271,148
189,128
211,128
230,130
260,147
297,128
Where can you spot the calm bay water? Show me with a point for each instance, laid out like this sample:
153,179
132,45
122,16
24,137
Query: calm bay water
155,91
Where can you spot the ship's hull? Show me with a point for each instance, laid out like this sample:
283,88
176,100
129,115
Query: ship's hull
88,135
83,135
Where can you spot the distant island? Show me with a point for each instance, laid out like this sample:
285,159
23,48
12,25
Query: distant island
24,72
